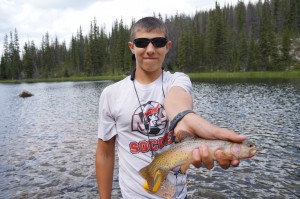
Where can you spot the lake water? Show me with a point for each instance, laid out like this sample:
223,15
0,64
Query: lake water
48,141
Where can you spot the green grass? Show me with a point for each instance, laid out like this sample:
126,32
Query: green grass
246,75
193,76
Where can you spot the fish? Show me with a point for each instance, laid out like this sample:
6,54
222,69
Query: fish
167,189
180,155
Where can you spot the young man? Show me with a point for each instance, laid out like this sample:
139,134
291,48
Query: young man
134,115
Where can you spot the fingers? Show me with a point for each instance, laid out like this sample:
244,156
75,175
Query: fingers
224,161
202,155
235,163
221,158
206,157
196,158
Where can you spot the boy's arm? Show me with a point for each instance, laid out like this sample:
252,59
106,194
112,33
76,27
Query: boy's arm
178,100
105,158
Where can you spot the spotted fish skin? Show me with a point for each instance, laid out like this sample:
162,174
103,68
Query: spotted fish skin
181,155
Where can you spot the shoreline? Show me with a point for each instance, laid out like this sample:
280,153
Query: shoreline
281,75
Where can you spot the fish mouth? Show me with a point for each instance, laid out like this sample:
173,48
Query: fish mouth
253,149
253,152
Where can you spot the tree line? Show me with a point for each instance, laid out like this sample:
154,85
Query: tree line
255,37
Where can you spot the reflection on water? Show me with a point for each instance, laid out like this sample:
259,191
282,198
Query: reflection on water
48,142
269,115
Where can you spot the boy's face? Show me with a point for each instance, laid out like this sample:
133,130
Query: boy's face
150,58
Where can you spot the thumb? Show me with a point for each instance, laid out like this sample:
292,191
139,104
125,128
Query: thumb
232,136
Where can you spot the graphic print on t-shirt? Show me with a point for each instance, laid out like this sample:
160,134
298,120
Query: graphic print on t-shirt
155,123
149,119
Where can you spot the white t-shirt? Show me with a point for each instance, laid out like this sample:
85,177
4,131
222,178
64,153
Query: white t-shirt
120,114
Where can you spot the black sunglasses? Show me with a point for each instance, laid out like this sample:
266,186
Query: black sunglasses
158,42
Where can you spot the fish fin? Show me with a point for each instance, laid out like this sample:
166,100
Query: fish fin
183,136
145,173
167,189
184,167
158,178
152,182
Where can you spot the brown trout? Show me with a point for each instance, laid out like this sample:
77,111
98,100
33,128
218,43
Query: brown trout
181,155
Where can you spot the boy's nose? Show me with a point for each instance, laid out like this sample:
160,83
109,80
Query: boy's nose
150,48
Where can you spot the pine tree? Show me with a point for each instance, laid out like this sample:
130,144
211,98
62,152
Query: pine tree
80,51
241,36
183,51
286,46
113,50
277,16
5,59
198,52
94,49
3,68
34,57
267,42
210,51
253,54
74,54
27,61
47,56
87,56
292,16
220,39
14,56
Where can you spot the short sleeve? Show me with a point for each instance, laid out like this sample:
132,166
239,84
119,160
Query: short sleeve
106,121
182,80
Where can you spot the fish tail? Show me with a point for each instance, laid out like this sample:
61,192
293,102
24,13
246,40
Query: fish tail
152,182
167,189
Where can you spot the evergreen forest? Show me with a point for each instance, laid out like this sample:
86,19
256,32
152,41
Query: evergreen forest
264,36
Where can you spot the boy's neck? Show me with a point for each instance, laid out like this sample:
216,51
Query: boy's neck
145,77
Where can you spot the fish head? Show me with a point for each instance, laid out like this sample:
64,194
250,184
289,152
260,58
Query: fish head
244,150
252,150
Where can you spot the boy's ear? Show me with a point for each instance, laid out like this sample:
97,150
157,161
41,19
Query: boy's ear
168,45
131,46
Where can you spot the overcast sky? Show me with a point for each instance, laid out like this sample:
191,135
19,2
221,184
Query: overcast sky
62,18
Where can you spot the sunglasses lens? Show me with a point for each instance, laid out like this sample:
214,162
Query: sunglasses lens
141,42
157,42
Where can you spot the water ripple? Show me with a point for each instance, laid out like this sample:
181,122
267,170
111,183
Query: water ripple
48,141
